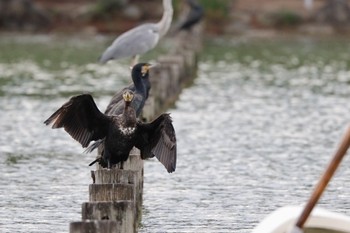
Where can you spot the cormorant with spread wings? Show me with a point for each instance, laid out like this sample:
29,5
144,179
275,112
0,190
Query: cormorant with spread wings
81,118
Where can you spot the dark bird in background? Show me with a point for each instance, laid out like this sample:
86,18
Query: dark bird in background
81,118
140,39
140,86
195,14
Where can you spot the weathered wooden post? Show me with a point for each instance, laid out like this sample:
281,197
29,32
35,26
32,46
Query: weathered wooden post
115,199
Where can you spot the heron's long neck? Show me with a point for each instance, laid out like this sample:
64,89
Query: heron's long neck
165,22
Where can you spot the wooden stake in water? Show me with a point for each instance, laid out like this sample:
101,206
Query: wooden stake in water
322,184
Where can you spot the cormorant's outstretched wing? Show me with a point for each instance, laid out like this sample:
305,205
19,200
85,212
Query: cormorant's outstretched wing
158,139
81,118
165,149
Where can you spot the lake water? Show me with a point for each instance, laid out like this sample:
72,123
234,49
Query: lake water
255,131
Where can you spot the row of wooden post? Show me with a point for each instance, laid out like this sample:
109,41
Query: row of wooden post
115,195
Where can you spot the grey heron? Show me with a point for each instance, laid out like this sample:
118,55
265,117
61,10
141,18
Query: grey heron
140,39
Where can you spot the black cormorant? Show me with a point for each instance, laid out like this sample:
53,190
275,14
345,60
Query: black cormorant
140,86
81,118
194,16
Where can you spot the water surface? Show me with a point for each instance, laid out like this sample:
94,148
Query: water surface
255,132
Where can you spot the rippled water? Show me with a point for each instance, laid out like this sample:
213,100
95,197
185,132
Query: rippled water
254,132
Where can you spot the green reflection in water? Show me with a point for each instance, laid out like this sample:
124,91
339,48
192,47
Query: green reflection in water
292,53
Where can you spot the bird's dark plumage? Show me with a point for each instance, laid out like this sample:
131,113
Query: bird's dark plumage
194,16
140,86
81,118
158,139
117,134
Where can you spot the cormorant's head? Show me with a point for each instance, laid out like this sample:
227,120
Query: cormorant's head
128,96
141,69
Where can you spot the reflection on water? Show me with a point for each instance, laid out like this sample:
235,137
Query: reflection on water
246,147
252,136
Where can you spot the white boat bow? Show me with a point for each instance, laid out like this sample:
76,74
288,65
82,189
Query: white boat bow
283,220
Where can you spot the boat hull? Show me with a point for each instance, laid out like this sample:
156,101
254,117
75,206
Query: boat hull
320,221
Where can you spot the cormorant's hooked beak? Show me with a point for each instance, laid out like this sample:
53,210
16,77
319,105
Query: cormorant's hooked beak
145,69
128,96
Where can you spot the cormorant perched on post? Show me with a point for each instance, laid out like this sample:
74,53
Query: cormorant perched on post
81,118
140,86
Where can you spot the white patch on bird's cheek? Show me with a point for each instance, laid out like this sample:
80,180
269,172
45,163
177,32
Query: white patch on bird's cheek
127,130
